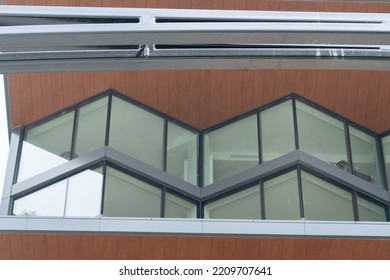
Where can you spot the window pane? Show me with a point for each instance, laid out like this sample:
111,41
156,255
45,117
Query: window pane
324,201
386,155
231,150
136,132
84,195
91,128
321,135
49,201
126,196
241,205
277,126
281,197
365,156
369,211
176,207
182,153
46,146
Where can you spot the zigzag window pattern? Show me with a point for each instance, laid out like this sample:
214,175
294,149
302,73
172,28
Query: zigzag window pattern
227,149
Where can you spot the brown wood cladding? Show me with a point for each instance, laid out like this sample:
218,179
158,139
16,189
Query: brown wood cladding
204,98
89,246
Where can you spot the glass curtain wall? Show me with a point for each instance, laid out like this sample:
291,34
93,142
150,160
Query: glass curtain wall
386,156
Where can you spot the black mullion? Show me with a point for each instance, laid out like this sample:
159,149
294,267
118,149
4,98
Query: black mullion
165,146
22,138
200,160
295,119
162,208
104,170
262,200
259,135
355,206
108,119
349,146
300,192
74,132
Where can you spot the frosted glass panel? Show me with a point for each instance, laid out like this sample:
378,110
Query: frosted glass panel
386,154
176,207
370,211
136,132
281,197
126,196
242,205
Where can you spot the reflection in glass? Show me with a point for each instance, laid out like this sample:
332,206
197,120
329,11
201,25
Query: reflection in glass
231,149
91,127
277,131
324,201
281,197
46,146
242,205
365,156
386,155
136,132
321,136
182,153
176,207
126,196
84,195
49,201
370,211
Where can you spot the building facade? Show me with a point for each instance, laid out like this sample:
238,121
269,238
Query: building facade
212,163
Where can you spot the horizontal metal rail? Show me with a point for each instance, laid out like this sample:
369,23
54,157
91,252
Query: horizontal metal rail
49,39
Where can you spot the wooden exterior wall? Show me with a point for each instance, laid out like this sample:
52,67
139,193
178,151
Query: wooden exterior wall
71,246
204,98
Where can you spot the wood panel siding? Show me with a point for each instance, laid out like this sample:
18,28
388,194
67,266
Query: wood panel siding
77,246
204,98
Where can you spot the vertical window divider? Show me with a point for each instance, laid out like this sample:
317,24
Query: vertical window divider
349,148
259,135
104,171
355,206
165,145
295,119
262,200
300,191
108,119
66,194
18,155
162,207
74,132
381,159
200,162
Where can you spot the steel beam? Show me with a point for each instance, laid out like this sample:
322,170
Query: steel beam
50,39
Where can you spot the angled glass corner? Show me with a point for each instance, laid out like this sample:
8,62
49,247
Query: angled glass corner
230,149
46,145
321,135
386,156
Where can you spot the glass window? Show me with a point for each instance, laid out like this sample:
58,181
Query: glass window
324,201
84,195
136,132
126,196
370,211
386,155
365,156
321,135
281,197
46,146
242,205
277,126
49,201
230,149
182,153
91,127
176,207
